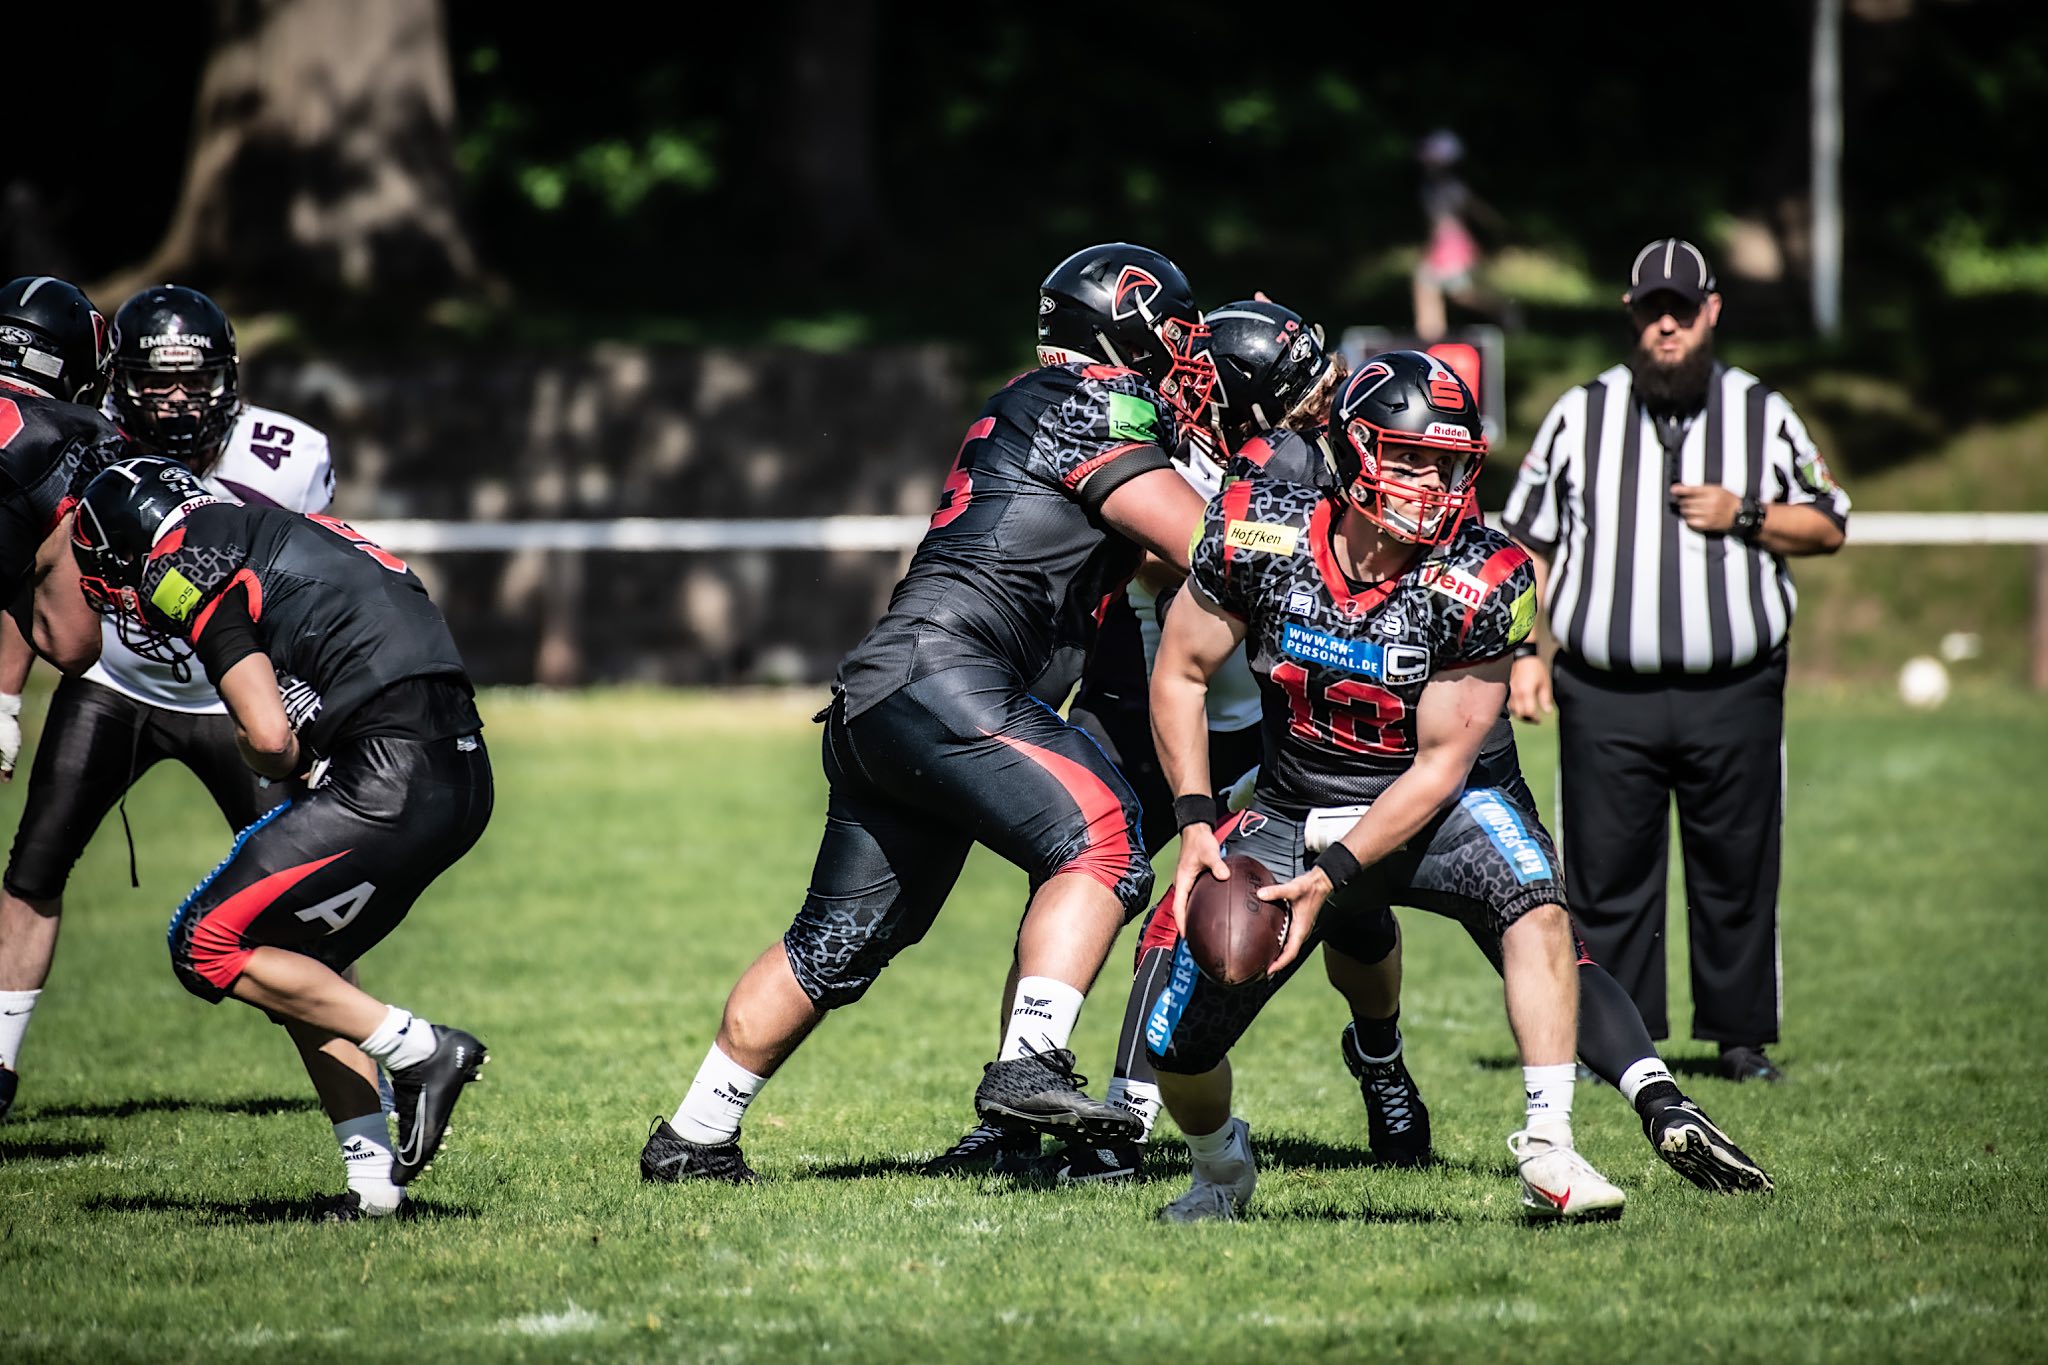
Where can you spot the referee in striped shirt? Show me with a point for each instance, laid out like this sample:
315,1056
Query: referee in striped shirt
1661,501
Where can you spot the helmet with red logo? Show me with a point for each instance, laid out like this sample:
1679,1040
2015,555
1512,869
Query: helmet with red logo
1129,306
53,340
1407,409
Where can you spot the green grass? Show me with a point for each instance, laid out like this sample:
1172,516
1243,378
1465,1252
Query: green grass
153,1181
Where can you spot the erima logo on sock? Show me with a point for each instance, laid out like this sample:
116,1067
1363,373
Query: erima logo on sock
729,1095
1036,1009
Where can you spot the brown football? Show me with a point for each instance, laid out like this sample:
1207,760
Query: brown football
1232,934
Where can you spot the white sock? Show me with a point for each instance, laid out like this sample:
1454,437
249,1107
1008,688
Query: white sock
1042,1017
1643,1074
15,1008
1218,1151
1140,1097
1550,1101
402,1040
718,1100
366,1155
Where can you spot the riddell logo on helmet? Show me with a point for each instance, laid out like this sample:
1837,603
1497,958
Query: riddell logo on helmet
1136,292
1447,431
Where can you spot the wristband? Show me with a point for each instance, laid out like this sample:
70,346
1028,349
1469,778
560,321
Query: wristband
1526,649
1193,810
1339,864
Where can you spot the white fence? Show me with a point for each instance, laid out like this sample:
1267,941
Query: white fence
903,533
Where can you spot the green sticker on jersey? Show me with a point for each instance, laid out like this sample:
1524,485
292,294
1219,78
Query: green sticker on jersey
1132,419
1523,620
176,596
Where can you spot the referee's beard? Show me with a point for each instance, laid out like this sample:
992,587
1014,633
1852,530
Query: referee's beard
1678,388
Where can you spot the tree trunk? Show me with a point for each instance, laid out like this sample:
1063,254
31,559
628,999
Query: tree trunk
322,161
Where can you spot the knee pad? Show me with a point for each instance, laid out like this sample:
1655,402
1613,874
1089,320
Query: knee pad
1368,936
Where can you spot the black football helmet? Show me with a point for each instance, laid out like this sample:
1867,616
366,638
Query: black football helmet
53,340
1407,407
123,514
1129,306
177,375
1270,364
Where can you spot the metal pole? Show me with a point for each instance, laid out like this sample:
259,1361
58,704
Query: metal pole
1827,166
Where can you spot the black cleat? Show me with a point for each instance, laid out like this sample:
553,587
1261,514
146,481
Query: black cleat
1694,1146
986,1150
10,1081
425,1095
1742,1063
347,1207
1396,1119
1078,1163
669,1158
1042,1092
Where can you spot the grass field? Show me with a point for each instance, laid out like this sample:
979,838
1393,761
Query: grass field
155,1180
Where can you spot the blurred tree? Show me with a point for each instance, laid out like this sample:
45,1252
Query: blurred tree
321,166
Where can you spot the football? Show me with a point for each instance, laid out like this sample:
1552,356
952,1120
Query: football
1232,935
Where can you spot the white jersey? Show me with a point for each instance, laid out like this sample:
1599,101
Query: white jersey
271,460
1233,693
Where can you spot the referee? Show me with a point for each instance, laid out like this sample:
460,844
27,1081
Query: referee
1661,501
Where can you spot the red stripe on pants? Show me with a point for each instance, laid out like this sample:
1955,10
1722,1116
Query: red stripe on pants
1106,857
216,950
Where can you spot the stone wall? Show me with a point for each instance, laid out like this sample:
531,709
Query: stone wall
628,431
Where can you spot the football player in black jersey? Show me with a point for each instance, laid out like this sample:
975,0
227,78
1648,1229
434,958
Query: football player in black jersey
1273,379
1381,619
942,733
56,351
342,680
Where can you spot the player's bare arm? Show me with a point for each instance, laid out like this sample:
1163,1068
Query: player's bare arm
1197,637
1529,694
1159,511
66,630
1451,722
262,733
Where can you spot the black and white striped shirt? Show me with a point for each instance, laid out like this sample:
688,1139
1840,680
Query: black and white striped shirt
1632,587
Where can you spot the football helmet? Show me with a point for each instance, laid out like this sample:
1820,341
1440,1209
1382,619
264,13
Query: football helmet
1269,363
1126,305
127,509
1407,407
177,374
53,340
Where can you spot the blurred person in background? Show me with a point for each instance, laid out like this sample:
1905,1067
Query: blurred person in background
176,390
1661,501
1452,263
941,732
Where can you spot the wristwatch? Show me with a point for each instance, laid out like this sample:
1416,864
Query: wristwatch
1749,519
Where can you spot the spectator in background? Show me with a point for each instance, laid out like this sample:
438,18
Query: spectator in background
1661,501
1451,258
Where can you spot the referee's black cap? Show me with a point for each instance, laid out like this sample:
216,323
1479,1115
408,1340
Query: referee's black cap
1671,265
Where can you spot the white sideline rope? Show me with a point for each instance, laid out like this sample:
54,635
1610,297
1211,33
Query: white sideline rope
903,533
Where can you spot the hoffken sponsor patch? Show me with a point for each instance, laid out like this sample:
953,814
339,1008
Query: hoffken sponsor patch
1262,536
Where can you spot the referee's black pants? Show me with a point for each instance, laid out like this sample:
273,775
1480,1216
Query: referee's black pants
1628,744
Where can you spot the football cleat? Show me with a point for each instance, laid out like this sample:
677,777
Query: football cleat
986,1149
1559,1183
1079,1163
10,1081
1041,1091
348,1207
1220,1194
1694,1146
425,1095
1748,1064
669,1158
1396,1119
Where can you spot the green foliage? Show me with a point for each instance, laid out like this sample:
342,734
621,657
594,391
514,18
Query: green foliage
647,845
